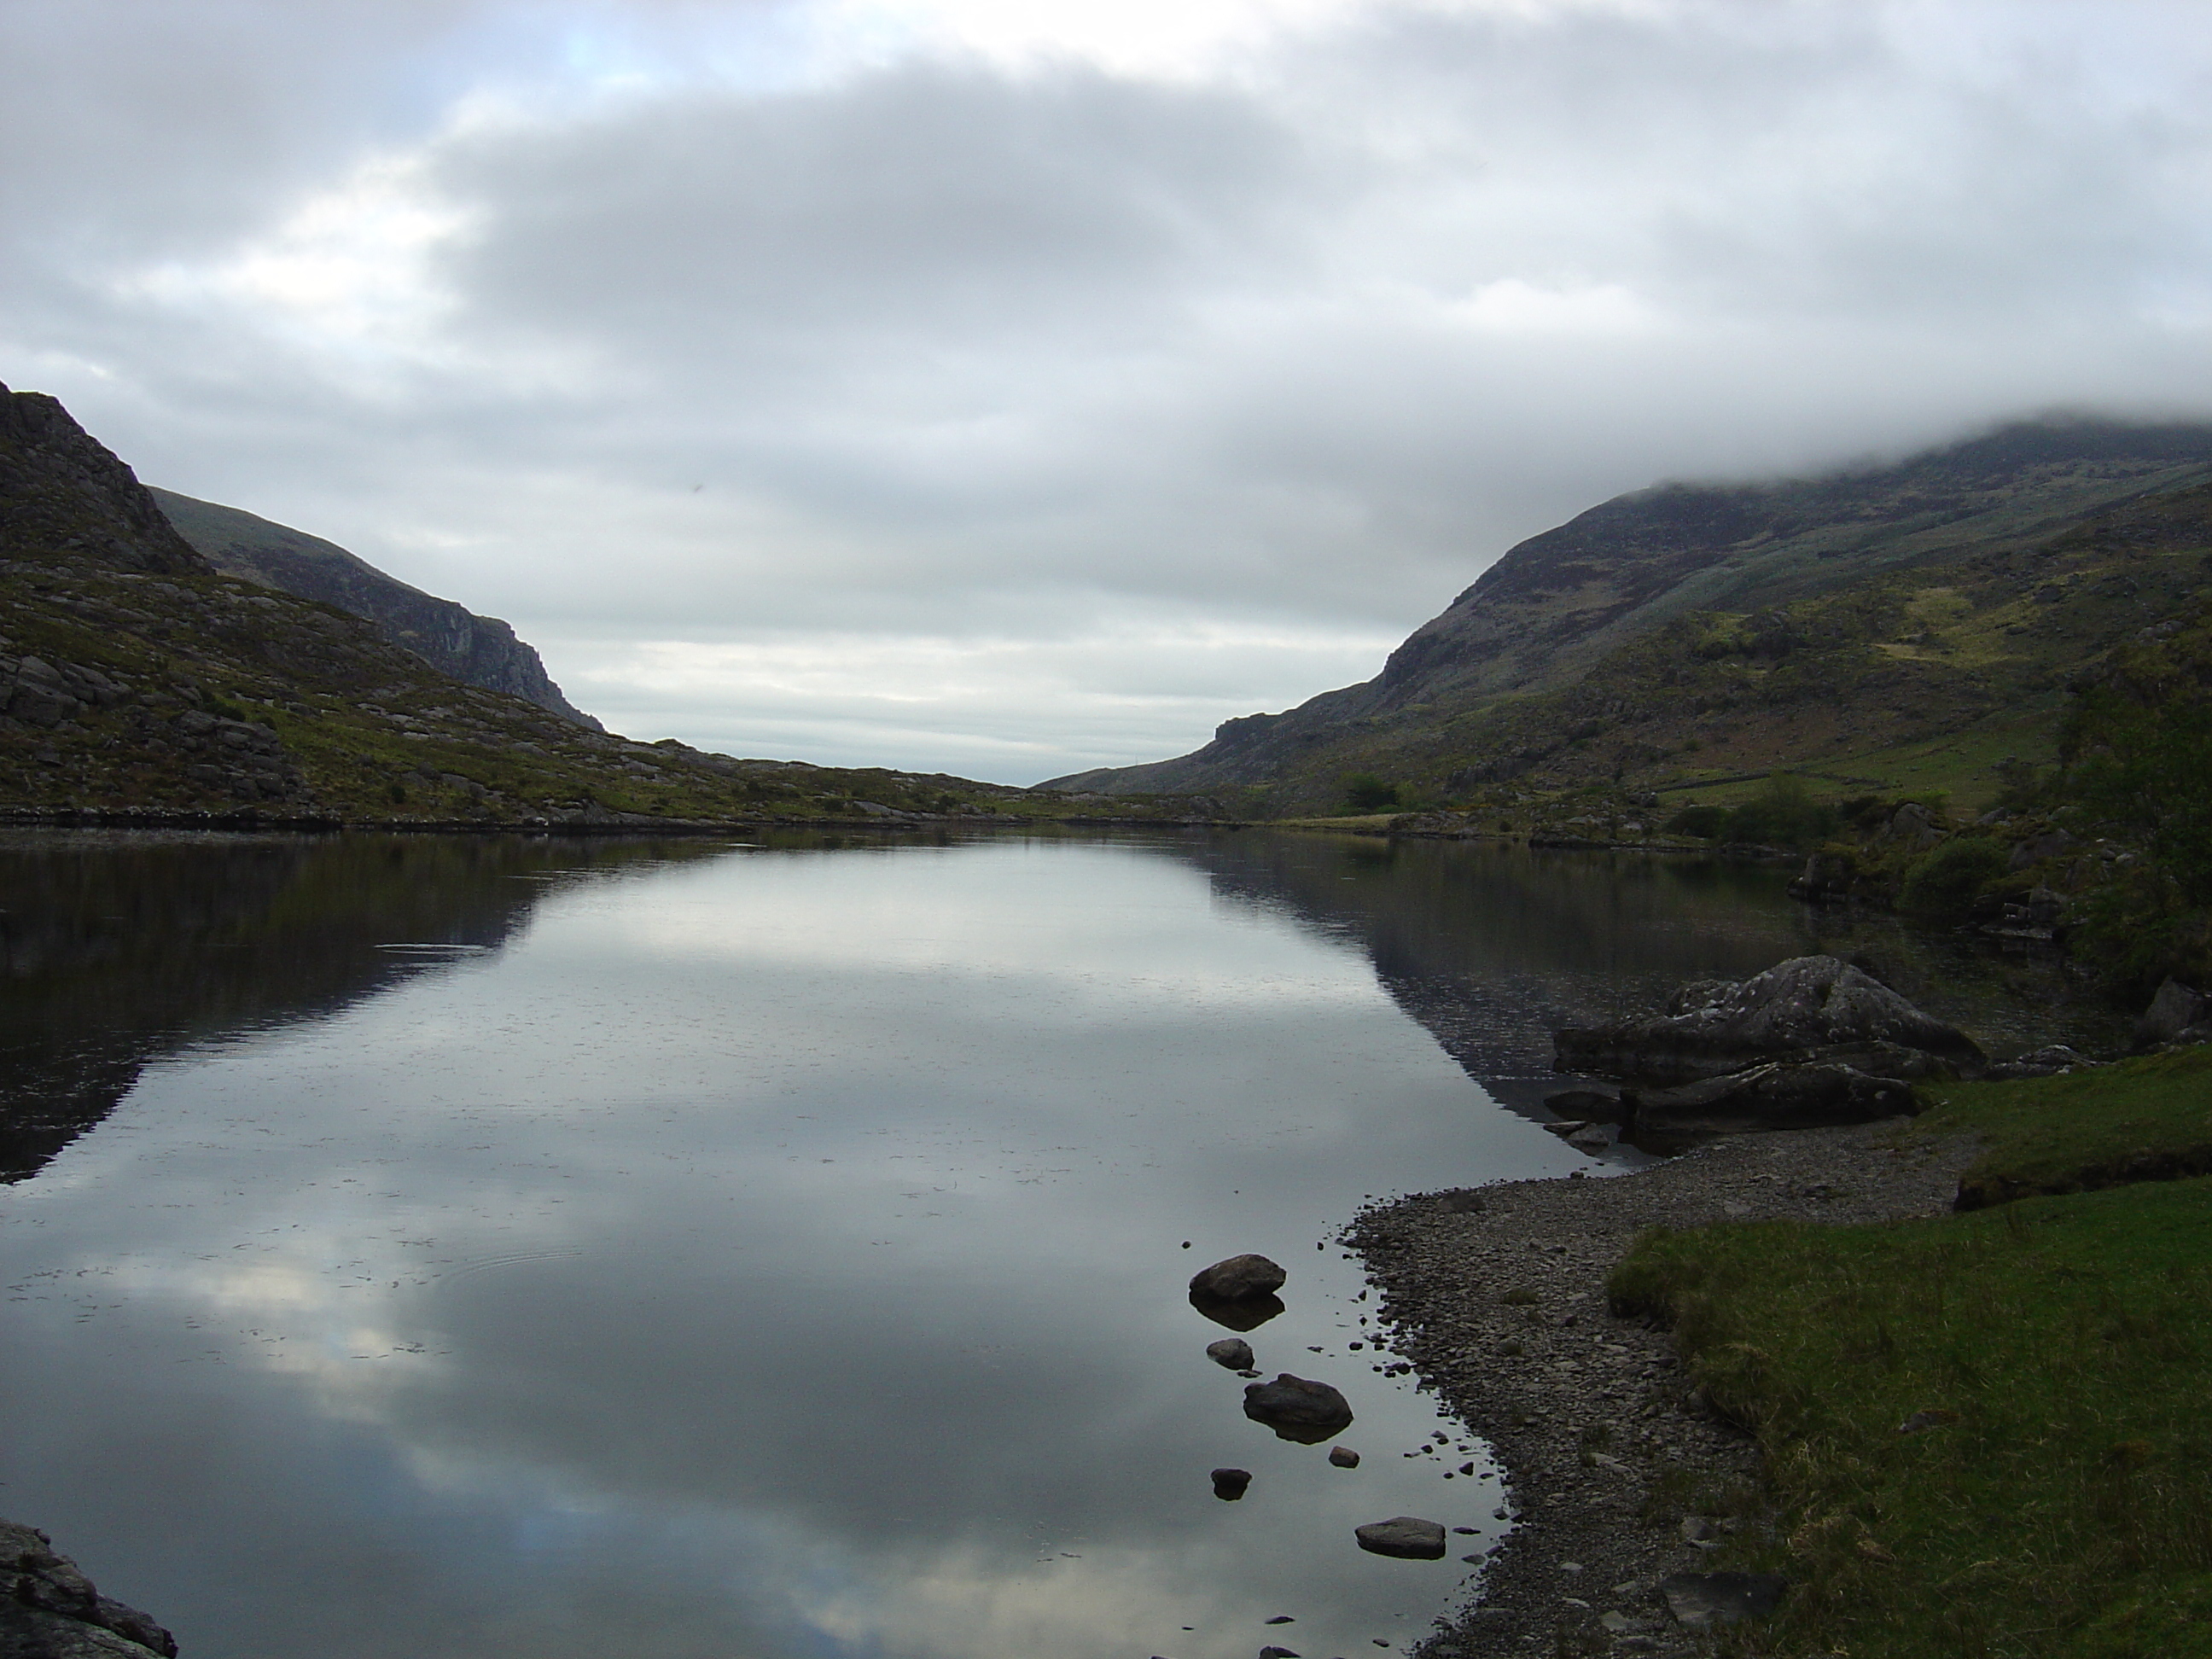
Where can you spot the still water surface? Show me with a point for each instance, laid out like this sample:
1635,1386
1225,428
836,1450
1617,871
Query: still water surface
499,1248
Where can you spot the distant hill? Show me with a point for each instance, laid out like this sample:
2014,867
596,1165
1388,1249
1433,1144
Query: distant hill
475,650
1655,626
136,676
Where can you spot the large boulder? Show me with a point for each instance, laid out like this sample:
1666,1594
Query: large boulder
49,1610
1297,1408
2176,1014
1237,1277
1805,1009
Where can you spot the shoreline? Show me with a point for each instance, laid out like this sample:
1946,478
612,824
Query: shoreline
1607,1450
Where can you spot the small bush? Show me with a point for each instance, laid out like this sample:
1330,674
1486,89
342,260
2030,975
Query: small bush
1943,884
1365,792
1708,822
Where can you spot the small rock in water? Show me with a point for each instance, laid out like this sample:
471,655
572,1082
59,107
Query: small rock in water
1406,1536
1344,1457
1700,1600
1281,1619
1231,1353
1467,1468
1464,1531
1278,1653
1229,1484
1298,1409
1237,1277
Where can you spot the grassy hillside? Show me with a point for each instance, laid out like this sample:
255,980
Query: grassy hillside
136,678
1904,628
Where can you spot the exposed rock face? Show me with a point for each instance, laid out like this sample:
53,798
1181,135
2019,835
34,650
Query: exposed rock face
1805,1007
1406,1536
475,650
1773,1096
1238,1277
1297,1408
60,488
49,1610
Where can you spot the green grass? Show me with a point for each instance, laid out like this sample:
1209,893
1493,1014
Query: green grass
2060,1510
2139,1118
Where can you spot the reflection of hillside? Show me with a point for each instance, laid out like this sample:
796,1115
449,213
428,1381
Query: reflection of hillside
118,948
1492,948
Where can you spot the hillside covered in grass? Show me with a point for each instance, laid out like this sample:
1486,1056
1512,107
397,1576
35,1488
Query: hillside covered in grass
136,678
1905,628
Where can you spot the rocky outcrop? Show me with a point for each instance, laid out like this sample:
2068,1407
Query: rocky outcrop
50,1610
452,639
2176,1014
62,489
1806,1008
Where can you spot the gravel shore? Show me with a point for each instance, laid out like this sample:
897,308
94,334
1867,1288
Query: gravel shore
1602,1440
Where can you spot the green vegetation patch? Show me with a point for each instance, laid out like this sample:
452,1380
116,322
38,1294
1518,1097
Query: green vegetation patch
2050,1357
2145,1119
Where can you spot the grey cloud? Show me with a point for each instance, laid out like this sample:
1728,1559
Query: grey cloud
952,350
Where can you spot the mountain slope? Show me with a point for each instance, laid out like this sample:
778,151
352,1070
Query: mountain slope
136,678
476,650
1560,617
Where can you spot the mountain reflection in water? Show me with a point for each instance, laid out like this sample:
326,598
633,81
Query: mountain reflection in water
774,1251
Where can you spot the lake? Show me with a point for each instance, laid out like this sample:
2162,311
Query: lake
447,1246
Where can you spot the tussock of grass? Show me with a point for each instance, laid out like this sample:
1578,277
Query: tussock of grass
2061,1346
2149,1118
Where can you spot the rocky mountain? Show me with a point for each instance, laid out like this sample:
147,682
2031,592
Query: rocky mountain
476,650
1644,618
138,678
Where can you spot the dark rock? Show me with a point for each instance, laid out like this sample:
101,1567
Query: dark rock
1702,1601
49,1610
1914,825
1229,1484
2036,848
1278,1653
1280,1619
1344,1457
1239,1277
1404,1536
2048,1062
1774,1097
1237,1314
1231,1353
1298,1409
1793,1010
2175,1013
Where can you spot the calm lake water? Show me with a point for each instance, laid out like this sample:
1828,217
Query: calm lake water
428,1247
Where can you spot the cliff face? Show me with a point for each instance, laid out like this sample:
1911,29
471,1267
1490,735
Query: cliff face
1557,606
476,650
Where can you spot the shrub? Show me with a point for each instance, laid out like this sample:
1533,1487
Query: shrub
1706,821
1365,792
1943,884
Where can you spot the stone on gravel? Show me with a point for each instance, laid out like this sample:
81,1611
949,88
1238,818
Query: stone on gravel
1231,1353
1238,1277
1406,1536
1297,1408
1229,1484
1796,1007
1702,1601
1344,1457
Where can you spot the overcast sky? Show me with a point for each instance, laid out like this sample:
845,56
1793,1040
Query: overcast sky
1006,386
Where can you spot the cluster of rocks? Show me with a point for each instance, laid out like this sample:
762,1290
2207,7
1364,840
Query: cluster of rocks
1240,1293
49,1610
1811,1042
